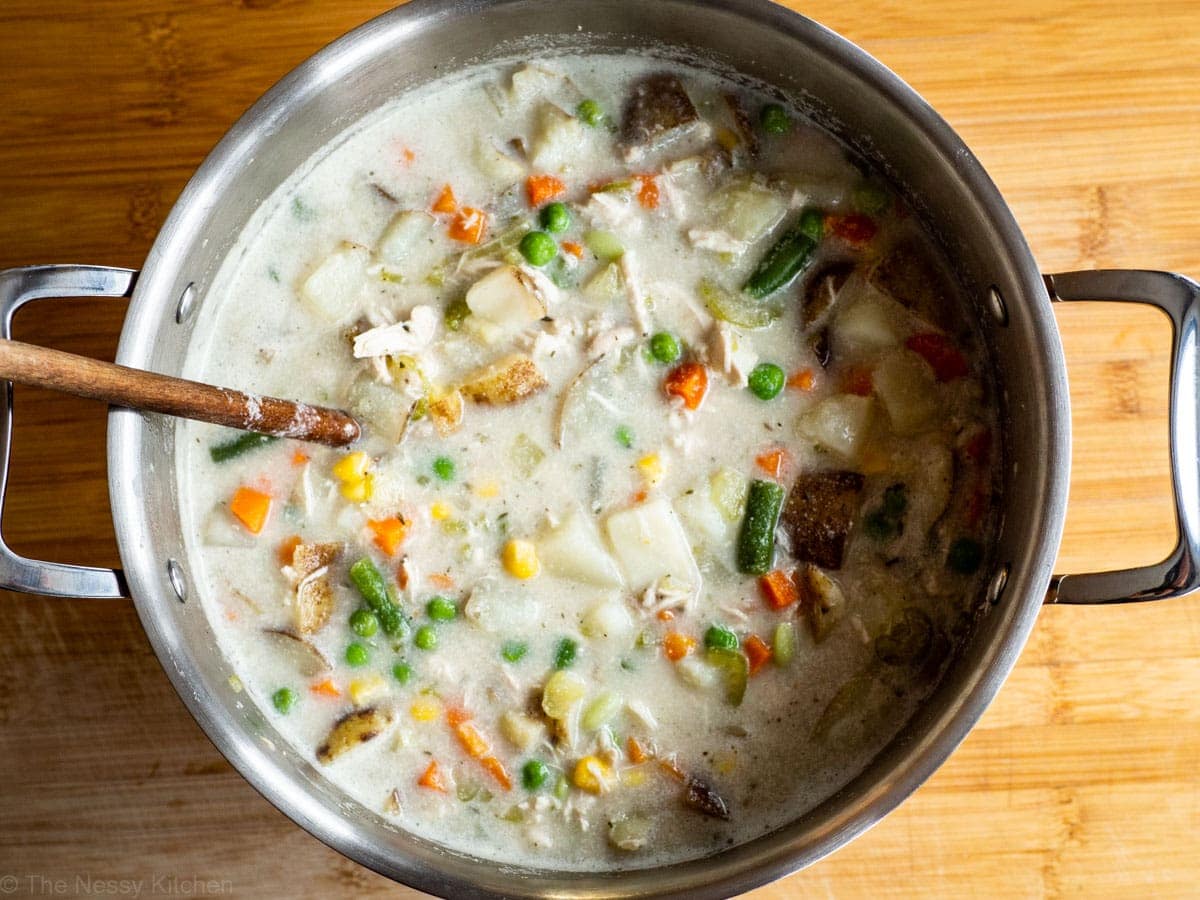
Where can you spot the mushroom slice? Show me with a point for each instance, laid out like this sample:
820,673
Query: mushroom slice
353,729
512,378
824,601
657,112
308,660
819,513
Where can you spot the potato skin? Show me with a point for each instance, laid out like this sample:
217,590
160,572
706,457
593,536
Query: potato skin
354,728
507,380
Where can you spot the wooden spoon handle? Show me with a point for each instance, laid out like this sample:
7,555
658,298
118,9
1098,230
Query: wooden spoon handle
137,389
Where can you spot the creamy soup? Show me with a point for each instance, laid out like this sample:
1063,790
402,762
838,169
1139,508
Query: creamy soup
674,485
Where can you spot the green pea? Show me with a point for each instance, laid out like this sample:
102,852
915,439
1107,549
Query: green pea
534,774
564,653
589,112
402,672
514,651
538,248
456,313
357,654
664,347
624,436
443,468
364,623
964,556
775,119
426,637
555,218
284,699
441,610
766,381
718,637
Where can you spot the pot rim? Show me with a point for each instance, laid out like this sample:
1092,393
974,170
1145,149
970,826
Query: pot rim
741,868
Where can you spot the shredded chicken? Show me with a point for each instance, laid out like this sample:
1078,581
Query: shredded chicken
730,353
633,292
715,240
401,338
610,340
614,209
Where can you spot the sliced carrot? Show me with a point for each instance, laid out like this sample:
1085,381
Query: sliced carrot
389,533
299,459
857,380
287,549
402,575
757,652
445,201
802,380
778,589
669,766
251,508
665,615
456,715
772,462
689,382
325,688
640,496
474,743
636,753
576,250
677,645
496,769
433,779
468,225
407,156
543,188
647,191
944,358
441,581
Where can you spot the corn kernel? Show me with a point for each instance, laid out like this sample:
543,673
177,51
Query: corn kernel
425,709
487,490
634,777
359,490
441,511
520,559
351,467
652,469
562,691
364,690
593,775
725,762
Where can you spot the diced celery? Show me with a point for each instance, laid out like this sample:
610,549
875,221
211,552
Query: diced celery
604,244
783,647
601,710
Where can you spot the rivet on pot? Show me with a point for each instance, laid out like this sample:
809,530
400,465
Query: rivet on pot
178,582
996,586
997,306
187,301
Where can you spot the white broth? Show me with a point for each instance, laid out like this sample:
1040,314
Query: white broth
600,317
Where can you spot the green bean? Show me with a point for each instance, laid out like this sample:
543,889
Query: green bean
243,443
370,584
756,543
787,258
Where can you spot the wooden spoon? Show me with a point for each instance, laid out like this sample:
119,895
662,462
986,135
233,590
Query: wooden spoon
136,389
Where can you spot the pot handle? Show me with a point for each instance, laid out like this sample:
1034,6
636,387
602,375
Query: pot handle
1179,298
18,287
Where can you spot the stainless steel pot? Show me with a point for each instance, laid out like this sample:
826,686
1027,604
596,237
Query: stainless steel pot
846,90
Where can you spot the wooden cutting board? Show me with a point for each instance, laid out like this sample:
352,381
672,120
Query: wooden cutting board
1082,779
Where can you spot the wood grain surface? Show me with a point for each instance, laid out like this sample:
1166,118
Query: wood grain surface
1082,779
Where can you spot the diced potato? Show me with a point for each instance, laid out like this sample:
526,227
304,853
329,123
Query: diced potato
698,673
363,690
335,289
521,730
839,423
824,601
532,81
409,242
508,297
607,620
905,384
562,691
556,140
314,605
650,543
574,550
702,516
497,165
746,209
630,832
446,411
501,607
379,407
351,730
507,380
873,321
